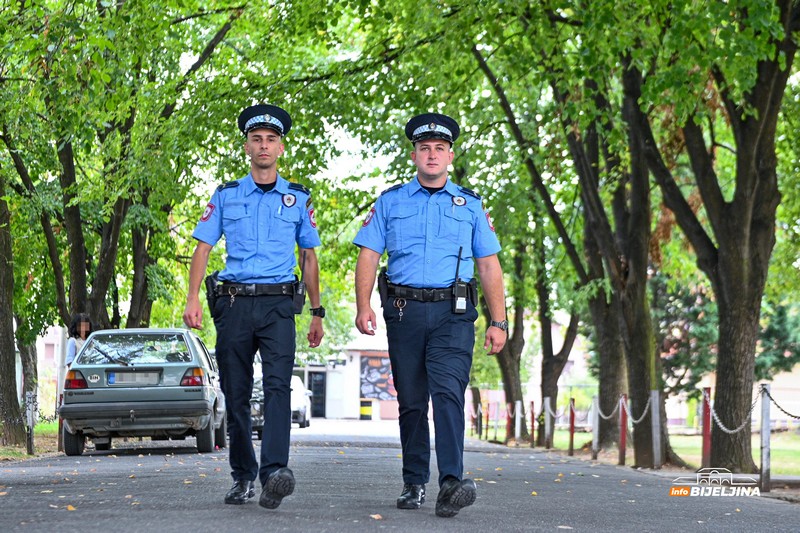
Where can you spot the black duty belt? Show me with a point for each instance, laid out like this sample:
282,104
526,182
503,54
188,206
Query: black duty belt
422,295
255,289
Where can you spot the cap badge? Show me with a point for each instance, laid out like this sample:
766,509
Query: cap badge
289,200
432,126
459,200
267,118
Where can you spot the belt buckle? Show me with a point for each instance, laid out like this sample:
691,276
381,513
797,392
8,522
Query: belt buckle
428,295
250,289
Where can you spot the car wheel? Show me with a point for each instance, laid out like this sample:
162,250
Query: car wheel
73,444
221,433
307,423
102,446
205,438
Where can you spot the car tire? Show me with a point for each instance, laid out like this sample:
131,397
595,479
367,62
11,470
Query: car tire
102,446
221,433
73,444
205,438
307,423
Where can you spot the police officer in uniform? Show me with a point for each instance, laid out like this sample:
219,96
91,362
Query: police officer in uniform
434,232
262,217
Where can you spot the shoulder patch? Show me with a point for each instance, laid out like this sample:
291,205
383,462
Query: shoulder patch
393,188
470,192
228,185
299,187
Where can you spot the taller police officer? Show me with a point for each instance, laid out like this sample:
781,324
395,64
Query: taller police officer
262,216
434,233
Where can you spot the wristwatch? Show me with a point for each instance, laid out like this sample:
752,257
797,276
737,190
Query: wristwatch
318,311
503,324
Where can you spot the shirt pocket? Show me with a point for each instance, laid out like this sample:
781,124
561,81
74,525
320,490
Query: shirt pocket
285,223
403,227
237,227
456,226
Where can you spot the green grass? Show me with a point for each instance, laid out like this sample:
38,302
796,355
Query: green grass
45,439
784,448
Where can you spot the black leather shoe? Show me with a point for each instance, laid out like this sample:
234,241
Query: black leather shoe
413,497
241,491
280,484
454,496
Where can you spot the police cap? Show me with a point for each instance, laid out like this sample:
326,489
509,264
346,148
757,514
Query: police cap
265,116
432,126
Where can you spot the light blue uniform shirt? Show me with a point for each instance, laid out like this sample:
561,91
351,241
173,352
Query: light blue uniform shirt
260,229
422,233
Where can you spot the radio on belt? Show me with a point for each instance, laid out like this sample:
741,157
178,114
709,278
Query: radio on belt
460,289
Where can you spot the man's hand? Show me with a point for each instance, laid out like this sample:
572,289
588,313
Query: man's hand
366,321
193,314
315,332
495,340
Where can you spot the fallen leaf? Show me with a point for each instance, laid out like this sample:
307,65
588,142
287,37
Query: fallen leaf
5,493
132,476
53,506
564,527
557,480
202,475
560,474
738,510
492,482
187,482
128,496
376,517
341,452
534,493
595,475
70,508
498,469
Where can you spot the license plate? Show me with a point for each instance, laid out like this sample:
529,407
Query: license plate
133,378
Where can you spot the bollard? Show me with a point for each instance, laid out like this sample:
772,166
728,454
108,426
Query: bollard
655,421
30,410
366,409
548,424
623,428
706,457
595,427
533,426
496,419
517,421
571,427
486,425
508,423
765,429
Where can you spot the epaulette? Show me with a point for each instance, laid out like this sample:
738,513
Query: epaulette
394,187
300,187
228,185
470,192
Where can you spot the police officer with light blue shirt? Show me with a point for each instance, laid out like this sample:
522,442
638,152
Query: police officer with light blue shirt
434,232
262,217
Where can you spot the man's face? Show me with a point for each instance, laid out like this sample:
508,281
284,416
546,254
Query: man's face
264,147
432,158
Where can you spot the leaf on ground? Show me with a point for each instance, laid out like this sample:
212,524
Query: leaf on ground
534,493
341,452
41,492
132,476
70,508
5,493
492,482
499,468
376,517
560,474
53,506
187,482
557,480
564,527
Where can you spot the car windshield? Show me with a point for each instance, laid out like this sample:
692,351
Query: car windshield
136,348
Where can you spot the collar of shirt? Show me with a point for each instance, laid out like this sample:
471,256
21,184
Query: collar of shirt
415,186
249,186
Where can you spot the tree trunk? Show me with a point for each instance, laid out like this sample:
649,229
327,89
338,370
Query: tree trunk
139,313
13,430
73,223
28,357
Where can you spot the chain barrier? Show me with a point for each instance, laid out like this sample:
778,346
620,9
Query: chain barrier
602,415
555,415
635,421
721,425
577,418
784,411
474,413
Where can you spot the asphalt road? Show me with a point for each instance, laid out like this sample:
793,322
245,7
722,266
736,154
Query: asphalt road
348,477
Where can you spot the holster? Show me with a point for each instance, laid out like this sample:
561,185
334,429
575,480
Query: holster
383,286
211,290
299,296
473,291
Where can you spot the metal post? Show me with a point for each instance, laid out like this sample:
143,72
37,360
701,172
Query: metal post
655,419
765,429
706,457
30,411
533,425
486,417
571,426
623,428
548,424
496,418
508,422
595,426
517,421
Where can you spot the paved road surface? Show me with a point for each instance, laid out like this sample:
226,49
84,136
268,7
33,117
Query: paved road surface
348,477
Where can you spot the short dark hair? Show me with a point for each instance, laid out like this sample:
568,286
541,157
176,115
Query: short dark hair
77,318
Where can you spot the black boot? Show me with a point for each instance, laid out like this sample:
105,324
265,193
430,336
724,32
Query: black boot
454,496
241,491
413,497
279,485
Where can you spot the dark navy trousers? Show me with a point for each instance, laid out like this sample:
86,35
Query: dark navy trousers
249,324
430,349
